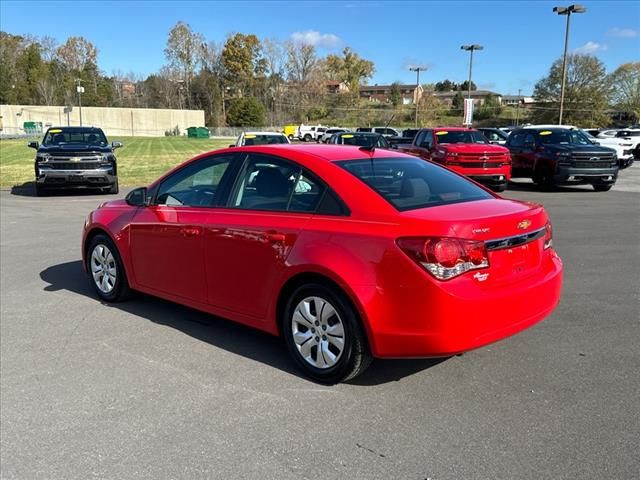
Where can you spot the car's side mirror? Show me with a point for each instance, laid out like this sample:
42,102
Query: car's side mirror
33,145
137,197
115,145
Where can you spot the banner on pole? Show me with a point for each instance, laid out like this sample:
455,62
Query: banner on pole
468,112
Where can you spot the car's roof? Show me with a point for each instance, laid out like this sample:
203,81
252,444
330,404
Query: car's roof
264,133
552,127
74,129
452,129
361,134
332,153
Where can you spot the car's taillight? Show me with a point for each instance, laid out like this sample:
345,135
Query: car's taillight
548,236
445,257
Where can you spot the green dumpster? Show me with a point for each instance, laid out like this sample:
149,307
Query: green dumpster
198,132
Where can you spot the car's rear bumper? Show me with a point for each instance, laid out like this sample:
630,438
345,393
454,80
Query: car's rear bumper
96,178
446,318
593,176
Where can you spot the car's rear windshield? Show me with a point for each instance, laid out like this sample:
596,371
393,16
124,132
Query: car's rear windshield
363,140
564,137
460,136
264,139
58,136
411,183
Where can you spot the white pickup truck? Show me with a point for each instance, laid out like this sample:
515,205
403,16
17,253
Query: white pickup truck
308,133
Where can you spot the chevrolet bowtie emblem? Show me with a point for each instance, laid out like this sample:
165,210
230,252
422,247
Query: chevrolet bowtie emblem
524,224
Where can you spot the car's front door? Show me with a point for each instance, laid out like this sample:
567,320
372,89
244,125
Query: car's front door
166,237
246,247
515,144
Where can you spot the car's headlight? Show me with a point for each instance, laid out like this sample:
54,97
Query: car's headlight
563,154
43,157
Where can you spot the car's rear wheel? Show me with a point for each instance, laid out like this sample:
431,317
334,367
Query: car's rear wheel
106,270
602,188
324,335
307,138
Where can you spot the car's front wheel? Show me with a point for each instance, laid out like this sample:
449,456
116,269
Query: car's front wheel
324,335
106,270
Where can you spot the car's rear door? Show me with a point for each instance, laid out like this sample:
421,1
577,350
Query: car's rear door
166,237
246,246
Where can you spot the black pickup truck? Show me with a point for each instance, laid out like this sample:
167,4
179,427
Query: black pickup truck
75,157
561,156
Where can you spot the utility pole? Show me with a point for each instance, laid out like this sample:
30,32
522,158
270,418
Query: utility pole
417,69
518,108
566,11
80,90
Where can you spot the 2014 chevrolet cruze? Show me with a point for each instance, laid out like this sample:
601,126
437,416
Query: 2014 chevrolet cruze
348,253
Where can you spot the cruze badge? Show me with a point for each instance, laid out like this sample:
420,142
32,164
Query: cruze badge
74,159
481,277
524,224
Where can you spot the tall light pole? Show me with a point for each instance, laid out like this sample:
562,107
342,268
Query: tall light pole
471,49
518,108
566,11
417,69
80,90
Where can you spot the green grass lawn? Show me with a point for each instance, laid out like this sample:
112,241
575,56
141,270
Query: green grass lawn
140,160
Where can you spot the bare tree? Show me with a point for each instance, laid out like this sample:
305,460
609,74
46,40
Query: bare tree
301,61
46,90
183,50
48,47
76,52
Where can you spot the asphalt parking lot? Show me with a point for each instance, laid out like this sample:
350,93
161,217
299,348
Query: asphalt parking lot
149,389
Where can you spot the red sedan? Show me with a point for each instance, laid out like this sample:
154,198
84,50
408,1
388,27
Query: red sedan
348,253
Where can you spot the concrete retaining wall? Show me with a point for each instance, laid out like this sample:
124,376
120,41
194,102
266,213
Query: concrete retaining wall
137,122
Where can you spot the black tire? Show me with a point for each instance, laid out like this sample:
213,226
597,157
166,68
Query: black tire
499,188
602,188
120,290
355,356
543,177
40,191
290,138
306,138
114,189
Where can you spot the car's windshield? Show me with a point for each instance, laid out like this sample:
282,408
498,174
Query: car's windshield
460,136
255,139
564,137
58,136
411,183
361,140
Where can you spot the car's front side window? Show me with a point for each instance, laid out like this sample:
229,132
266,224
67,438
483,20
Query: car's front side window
196,184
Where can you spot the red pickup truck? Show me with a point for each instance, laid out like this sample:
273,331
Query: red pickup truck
465,151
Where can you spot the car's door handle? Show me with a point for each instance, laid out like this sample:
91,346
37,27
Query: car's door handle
274,237
189,231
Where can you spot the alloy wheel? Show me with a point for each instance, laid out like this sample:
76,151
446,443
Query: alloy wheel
103,268
318,332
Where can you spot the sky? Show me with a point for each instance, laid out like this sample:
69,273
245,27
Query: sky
521,38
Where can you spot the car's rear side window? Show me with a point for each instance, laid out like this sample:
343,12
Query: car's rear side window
411,183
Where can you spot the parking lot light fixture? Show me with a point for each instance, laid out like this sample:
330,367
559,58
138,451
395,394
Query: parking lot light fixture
417,69
471,49
566,11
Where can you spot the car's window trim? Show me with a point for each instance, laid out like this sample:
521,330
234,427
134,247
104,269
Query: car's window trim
302,171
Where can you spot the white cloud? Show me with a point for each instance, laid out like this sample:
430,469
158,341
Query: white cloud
317,39
622,32
590,48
